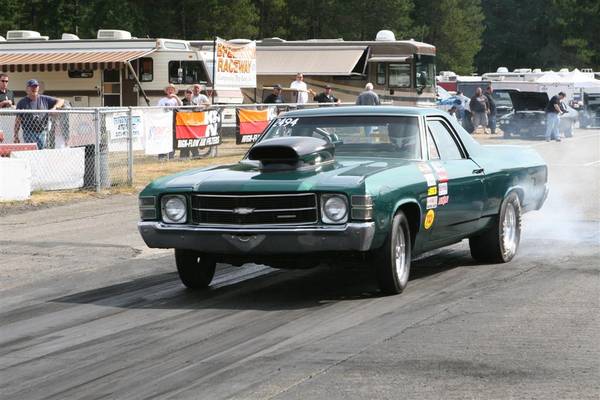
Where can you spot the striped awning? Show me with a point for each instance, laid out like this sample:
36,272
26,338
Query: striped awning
69,57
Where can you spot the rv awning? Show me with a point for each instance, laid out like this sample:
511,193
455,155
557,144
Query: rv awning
70,56
310,60
399,59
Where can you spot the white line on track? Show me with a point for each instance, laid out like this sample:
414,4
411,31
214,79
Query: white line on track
597,162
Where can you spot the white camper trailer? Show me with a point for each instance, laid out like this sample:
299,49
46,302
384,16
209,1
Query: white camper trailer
114,69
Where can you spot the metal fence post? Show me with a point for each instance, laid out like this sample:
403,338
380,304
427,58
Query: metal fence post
97,149
130,147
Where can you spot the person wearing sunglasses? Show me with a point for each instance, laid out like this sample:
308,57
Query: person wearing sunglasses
7,97
35,125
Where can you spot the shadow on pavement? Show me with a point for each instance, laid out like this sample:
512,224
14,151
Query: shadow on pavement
267,289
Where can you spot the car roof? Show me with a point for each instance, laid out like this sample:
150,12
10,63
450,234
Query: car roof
362,110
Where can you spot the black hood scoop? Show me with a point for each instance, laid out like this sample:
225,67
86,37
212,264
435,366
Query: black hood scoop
296,153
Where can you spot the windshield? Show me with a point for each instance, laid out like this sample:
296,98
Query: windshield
502,99
365,136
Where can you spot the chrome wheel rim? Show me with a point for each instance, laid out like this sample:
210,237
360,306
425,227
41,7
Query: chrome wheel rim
509,230
400,259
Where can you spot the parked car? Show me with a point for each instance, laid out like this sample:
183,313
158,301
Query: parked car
375,185
528,117
590,111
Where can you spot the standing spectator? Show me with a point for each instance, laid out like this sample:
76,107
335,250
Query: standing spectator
492,105
188,98
274,97
35,125
326,96
199,96
170,99
552,120
368,97
300,86
453,112
7,97
479,109
464,112
188,101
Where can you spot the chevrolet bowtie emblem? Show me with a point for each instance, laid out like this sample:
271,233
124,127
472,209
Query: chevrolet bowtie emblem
243,210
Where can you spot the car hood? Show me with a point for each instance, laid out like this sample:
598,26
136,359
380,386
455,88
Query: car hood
529,101
345,174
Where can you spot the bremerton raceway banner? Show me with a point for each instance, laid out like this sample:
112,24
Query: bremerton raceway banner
197,129
251,123
235,64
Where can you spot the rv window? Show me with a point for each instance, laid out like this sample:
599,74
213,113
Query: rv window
175,45
81,73
380,73
146,69
399,75
425,71
187,72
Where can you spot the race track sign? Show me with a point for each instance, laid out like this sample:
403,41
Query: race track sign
197,129
235,64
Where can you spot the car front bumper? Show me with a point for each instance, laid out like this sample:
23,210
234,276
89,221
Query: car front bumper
263,240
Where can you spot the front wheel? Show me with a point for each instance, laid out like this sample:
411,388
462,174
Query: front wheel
195,270
393,259
500,242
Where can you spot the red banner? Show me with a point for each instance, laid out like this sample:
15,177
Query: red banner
251,123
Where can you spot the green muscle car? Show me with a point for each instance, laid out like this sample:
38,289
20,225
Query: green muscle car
375,184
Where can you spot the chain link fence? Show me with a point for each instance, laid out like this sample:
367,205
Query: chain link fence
97,148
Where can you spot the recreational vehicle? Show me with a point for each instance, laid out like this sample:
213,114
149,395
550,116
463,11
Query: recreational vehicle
115,69
402,71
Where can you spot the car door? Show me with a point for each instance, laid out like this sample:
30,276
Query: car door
460,187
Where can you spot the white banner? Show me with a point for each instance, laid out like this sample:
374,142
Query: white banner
236,65
116,126
158,131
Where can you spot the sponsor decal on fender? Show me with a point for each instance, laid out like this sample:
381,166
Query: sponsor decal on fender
432,202
432,191
430,179
429,217
443,200
440,171
443,188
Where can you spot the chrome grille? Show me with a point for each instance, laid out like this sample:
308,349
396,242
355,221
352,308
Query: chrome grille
268,209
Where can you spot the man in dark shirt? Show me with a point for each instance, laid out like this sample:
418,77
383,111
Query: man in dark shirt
275,97
326,96
492,107
7,97
552,121
34,125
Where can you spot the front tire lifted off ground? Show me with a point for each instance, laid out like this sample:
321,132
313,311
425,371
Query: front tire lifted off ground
195,270
393,259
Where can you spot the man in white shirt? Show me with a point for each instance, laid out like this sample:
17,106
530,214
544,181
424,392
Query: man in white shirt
301,88
198,97
170,99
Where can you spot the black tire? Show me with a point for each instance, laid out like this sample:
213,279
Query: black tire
500,242
195,270
393,269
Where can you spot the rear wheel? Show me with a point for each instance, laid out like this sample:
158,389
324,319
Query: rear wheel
393,259
500,242
195,270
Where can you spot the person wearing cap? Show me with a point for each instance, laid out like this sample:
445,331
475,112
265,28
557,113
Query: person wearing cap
275,97
35,125
170,99
188,99
326,96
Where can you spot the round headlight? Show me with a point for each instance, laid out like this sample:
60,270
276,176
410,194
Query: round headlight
335,210
174,209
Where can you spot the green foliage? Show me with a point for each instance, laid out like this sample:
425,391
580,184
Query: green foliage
470,35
